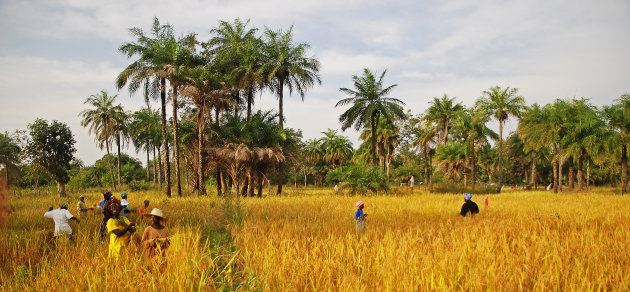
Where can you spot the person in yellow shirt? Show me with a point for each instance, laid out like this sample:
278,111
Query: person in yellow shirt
82,207
119,228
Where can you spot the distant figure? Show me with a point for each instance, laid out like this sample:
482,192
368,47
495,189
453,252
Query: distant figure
336,188
412,182
155,238
125,205
107,196
119,228
359,217
145,208
549,186
82,207
61,217
469,206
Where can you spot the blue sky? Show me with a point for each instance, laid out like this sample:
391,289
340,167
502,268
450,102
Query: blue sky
54,54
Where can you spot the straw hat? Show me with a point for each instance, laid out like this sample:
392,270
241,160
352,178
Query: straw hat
157,212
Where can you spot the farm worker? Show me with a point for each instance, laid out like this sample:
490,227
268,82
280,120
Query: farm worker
61,217
107,196
359,217
469,206
336,188
412,182
119,228
155,238
82,207
144,209
125,205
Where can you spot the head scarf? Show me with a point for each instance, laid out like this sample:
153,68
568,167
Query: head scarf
110,205
107,196
123,195
63,206
359,203
467,196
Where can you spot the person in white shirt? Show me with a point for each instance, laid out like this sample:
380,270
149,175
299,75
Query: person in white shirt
125,205
61,217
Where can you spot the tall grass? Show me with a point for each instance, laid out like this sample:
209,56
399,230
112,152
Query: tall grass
306,240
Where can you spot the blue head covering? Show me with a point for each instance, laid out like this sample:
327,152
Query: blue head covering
467,196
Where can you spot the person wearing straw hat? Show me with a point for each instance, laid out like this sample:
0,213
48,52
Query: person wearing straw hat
155,238
61,217
469,207
359,217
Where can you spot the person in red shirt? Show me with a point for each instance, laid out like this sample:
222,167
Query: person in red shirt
144,209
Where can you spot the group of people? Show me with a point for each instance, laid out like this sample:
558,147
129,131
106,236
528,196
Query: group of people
115,224
469,208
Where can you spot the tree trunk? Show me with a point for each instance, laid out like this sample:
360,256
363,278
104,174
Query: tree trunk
624,169
560,163
500,154
166,162
473,163
250,100
445,132
148,165
426,165
533,178
556,182
250,184
109,165
154,166
200,160
160,168
118,158
261,182
571,175
217,177
373,119
281,123
580,171
588,173
61,189
178,182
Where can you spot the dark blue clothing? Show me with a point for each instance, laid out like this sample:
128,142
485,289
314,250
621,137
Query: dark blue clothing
469,207
359,214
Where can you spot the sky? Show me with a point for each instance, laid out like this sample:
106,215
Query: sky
54,54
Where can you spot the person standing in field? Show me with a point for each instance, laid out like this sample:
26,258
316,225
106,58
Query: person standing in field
412,183
469,207
119,228
359,217
155,238
107,196
82,207
61,217
125,205
144,209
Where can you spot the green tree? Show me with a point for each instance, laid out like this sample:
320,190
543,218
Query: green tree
369,102
618,118
335,148
101,119
51,146
9,154
501,104
440,113
287,64
472,125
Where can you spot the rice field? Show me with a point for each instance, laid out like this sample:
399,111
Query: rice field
306,240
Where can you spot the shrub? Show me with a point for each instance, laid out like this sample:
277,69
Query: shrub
135,185
459,189
359,179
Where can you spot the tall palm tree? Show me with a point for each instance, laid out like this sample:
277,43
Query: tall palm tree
529,130
501,104
100,119
472,124
336,148
287,64
149,71
425,141
237,51
121,133
144,129
369,102
618,117
440,113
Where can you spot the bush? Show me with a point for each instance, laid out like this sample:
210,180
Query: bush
138,185
359,179
460,189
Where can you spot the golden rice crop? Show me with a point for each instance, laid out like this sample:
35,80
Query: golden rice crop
306,240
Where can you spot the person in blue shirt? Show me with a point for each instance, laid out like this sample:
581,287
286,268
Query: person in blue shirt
359,217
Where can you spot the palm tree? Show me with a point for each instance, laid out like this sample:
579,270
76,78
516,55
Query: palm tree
618,117
100,119
452,158
440,113
143,130
9,153
473,125
387,138
237,51
501,103
121,133
149,71
336,148
286,64
369,102
530,130
425,141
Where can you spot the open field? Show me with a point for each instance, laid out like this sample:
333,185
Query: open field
307,241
